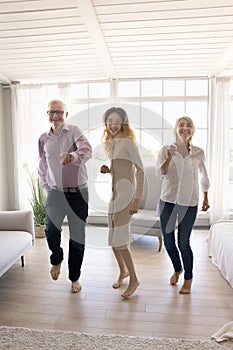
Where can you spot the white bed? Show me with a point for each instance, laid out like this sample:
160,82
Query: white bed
220,247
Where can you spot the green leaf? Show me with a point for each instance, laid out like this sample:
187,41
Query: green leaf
37,200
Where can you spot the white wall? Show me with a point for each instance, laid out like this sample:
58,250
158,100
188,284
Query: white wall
3,170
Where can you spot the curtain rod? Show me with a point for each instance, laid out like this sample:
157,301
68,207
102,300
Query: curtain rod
5,86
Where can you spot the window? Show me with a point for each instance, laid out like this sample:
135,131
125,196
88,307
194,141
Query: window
151,88
174,87
152,106
99,90
129,89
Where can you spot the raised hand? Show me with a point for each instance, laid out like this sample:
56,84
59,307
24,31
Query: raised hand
104,169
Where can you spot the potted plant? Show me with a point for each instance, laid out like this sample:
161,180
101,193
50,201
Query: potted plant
37,203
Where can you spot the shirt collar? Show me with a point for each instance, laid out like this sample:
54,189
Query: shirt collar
64,126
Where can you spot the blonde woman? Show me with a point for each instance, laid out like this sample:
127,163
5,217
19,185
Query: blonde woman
182,167
127,174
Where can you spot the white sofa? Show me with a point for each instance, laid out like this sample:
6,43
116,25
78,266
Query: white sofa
16,237
146,221
220,247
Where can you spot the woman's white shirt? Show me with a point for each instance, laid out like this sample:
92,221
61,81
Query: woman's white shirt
184,175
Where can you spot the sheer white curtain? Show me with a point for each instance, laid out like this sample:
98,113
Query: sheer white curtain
29,121
218,150
64,93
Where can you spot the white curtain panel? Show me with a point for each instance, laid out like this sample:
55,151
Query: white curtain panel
29,121
218,148
64,93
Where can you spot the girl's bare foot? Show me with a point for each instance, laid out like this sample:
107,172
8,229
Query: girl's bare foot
175,278
186,288
130,289
121,277
55,271
76,287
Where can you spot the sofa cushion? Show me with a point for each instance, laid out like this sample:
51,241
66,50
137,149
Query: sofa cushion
152,188
13,245
146,218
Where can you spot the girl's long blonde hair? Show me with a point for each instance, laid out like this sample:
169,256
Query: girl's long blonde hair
126,131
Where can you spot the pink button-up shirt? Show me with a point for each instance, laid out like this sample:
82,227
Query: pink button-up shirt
184,175
52,173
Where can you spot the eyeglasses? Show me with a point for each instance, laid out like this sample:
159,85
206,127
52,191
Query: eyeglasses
52,112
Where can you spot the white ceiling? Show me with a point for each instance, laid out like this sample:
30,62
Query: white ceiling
79,40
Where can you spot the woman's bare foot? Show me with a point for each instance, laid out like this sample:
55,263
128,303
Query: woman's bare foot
55,271
121,277
76,287
175,277
130,289
186,288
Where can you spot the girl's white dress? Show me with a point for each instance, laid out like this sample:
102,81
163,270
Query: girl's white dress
127,183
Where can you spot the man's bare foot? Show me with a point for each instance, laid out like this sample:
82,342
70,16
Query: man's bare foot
130,289
121,277
186,288
55,271
76,287
175,278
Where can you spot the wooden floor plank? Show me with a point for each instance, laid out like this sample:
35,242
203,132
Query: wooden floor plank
30,298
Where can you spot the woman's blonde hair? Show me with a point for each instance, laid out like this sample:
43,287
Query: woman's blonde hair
126,131
189,120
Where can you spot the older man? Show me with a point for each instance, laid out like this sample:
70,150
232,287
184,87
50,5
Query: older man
63,153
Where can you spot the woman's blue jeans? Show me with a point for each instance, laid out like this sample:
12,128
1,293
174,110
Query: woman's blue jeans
75,207
170,214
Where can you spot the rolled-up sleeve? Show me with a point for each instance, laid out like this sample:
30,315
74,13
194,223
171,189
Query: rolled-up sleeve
43,167
204,179
84,150
162,157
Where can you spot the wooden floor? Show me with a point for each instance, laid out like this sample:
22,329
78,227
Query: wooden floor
29,298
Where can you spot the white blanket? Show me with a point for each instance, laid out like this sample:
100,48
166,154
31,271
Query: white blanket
220,247
224,333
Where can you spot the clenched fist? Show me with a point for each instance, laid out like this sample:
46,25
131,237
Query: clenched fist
66,158
104,169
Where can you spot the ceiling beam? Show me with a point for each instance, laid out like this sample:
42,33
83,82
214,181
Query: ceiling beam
226,58
90,19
